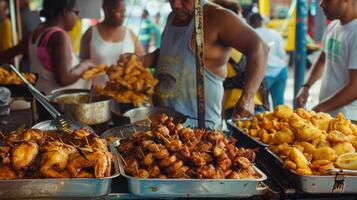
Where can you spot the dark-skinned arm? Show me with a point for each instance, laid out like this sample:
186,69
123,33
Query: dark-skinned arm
60,58
7,55
235,33
150,60
343,97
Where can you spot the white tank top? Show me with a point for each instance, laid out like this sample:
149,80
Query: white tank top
103,52
46,81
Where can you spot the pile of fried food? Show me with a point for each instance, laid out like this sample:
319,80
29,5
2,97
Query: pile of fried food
10,78
129,82
171,151
49,154
309,143
95,71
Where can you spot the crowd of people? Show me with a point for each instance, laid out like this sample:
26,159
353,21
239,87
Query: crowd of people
240,70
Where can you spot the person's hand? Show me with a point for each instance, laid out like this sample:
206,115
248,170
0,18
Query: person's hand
87,64
125,57
244,108
301,97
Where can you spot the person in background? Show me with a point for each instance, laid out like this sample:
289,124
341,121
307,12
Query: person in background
29,21
150,34
337,63
104,42
175,61
5,27
276,72
50,49
236,71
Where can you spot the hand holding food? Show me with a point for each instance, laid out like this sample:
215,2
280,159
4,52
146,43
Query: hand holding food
95,71
129,81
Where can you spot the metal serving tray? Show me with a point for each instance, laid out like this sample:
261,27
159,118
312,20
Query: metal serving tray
59,187
318,184
168,188
241,133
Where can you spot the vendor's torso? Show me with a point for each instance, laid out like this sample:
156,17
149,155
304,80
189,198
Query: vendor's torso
176,72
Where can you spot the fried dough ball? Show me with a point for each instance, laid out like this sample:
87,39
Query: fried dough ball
284,136
162,153
343,147
168,161
299,158
233,175
283,112
242,162
149,159
336,136
308,132
325,153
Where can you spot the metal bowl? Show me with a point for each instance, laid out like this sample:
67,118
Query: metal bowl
141,114
75,103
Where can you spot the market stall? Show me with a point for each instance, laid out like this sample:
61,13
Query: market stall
110,143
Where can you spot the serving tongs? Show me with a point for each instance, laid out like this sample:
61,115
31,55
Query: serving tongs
342,171
62,123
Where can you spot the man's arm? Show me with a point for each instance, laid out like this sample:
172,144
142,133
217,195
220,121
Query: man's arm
150,60
21,48
237,34
343,97
315,74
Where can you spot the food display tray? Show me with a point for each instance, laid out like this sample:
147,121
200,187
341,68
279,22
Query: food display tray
183,188
58,187
318,184
240,133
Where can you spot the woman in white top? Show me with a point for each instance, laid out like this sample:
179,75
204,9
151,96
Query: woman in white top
105,42
50,49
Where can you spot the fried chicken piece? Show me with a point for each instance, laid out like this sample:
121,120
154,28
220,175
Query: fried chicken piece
142,173
185,134
185,152
32,134
207,157
162,153
197,159
204,146
149,159
174,145
5,156
207,171
242,162
132,165
23,155
97,159
233,175
154,171
81,133
53,164
213,136
126,146
168,161
181,172
178,164
99,143
219,174
6,172
224,162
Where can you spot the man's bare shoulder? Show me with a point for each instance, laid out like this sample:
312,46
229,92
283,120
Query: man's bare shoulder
215,14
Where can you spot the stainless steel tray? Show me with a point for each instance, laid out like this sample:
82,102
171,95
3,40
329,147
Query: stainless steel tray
240,132
318,184
169,188
59,187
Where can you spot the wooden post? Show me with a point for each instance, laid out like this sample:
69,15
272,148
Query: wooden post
200,69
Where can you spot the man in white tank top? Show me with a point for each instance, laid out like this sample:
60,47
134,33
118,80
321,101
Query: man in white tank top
105,42
219,39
